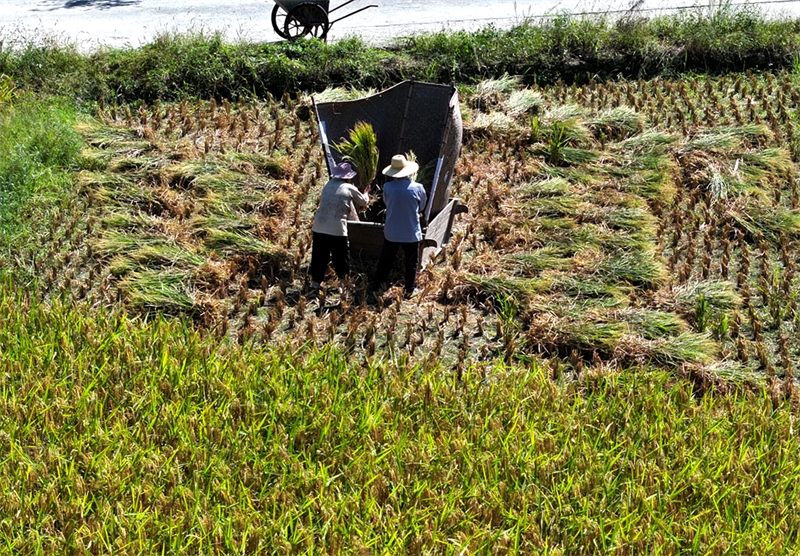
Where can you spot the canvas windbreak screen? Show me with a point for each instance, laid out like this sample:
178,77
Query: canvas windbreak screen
412,116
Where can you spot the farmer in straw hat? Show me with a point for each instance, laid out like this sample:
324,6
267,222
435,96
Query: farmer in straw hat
405,199
330,224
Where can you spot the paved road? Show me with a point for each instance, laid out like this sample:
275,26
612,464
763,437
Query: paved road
134,22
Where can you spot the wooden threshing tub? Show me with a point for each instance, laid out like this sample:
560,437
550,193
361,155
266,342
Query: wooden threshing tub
411,116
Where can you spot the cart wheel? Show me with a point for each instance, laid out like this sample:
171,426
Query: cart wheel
306,19
279,21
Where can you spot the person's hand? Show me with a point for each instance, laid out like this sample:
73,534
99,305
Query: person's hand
367,189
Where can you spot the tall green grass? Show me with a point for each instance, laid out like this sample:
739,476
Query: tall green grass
570,48
38,148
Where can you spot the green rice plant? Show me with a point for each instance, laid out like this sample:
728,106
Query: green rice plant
558,140
361,149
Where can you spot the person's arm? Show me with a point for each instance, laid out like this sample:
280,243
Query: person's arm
359,198
422,198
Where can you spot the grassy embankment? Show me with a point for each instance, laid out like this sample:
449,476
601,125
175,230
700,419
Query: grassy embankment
600,363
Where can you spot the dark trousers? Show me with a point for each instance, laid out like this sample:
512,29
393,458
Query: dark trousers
388,255
324,248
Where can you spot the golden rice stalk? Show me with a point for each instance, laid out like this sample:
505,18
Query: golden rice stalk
361,150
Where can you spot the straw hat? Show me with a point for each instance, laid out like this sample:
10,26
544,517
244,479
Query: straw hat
400,167
343,171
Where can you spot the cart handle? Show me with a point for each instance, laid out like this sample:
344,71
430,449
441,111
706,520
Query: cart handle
351,13
341,6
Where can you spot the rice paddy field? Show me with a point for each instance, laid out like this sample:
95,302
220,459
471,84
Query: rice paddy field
601,361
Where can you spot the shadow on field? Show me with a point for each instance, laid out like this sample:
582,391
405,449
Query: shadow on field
96,4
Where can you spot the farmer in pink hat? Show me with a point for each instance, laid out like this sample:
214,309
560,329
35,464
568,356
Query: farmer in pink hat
405,200
330,224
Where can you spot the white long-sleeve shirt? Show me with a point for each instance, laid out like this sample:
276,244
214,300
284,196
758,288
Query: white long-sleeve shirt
334,207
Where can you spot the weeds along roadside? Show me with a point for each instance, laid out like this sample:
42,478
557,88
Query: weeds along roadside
39,152
202,65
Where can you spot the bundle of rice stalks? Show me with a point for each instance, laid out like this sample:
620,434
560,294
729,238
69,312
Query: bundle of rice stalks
545,258
237,243
548,188
636,267
116,243
492,121
602,293
361,150
773,161
159,290
155,256
524,101
579,330
491,91
566,113
687,347
715,296
770,221
647,142
752,132
617,124
713,142
496,288
130,221
332,94
651,324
